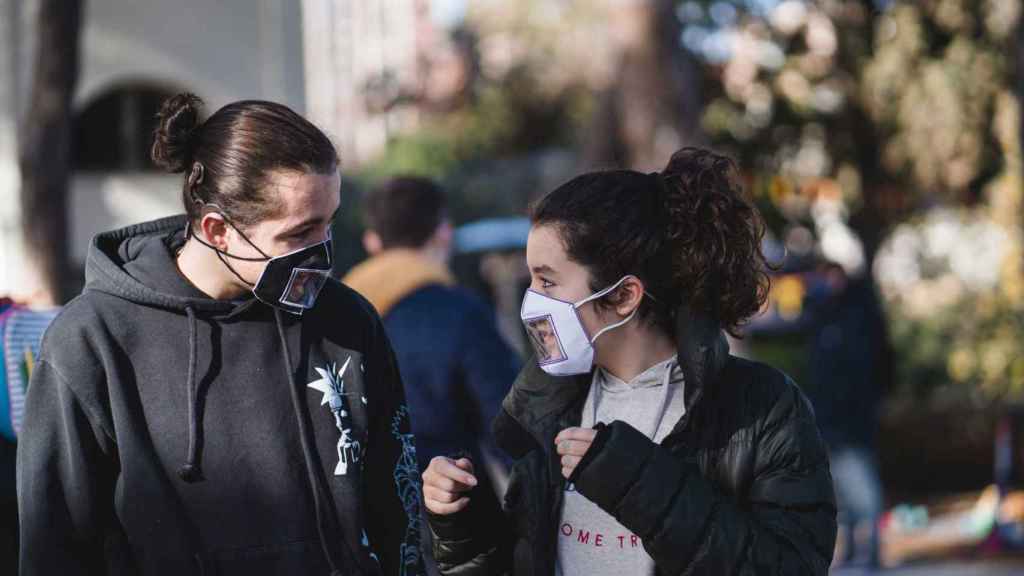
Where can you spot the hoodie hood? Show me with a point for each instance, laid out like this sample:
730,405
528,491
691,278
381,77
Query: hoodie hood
136,263
533,411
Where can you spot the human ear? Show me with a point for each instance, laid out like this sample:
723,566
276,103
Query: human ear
214,229
372,242
628,296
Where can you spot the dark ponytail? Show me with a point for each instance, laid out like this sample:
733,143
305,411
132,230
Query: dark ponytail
688,233
228,158
715,233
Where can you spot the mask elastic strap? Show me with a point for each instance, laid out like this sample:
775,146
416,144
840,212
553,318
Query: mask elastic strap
220,255
601,294
232,269
612,327
246,238
190,234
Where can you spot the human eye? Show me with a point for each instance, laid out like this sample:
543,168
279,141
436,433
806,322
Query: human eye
301,235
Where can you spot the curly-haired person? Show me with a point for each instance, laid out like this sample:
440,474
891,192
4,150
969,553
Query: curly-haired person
641,445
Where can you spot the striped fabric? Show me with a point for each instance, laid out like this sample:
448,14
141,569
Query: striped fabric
6,428
22,334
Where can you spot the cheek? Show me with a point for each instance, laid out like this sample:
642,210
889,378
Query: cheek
251,271
591,322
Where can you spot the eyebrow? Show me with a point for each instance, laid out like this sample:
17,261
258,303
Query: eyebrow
315,221
543,269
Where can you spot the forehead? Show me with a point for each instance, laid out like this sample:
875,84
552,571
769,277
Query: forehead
303,195
544,247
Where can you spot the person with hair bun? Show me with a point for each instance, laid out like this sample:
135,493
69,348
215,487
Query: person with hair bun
214,402
641,446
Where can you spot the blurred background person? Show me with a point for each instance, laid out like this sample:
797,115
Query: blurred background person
455,364
848,372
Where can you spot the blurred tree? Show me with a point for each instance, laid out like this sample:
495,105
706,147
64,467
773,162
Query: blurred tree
653,106
527,78
896,101
896,107
45,143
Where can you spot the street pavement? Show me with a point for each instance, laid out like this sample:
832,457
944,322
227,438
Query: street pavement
959,568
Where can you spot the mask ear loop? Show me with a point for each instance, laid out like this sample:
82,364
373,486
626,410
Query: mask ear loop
188,231
613,326
602,294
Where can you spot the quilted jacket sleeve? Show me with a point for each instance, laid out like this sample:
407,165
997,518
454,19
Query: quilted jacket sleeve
470,543
785,525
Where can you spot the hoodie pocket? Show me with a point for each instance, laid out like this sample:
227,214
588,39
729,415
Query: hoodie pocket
298,557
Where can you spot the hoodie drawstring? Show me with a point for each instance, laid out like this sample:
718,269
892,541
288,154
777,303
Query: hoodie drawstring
190,471
308,451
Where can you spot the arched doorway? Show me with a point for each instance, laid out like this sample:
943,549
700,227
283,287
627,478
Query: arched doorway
113,133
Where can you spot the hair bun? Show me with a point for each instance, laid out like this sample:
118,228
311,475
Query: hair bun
174,137
715,234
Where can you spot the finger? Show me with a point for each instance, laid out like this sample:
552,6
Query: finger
447,469
567,472
445,508
573,447
432,493
449,485
576,434
436,462
439,460
438,481
570,461
465,464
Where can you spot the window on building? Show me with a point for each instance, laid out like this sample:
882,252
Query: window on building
113,133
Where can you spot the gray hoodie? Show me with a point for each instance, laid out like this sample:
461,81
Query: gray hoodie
591,541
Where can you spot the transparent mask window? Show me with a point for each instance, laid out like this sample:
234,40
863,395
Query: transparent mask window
303,287
544,339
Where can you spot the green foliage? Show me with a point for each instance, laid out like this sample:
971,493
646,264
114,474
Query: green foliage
469,149
905,95
906,105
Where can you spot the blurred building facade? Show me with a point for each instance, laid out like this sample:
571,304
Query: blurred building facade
364,60
344,64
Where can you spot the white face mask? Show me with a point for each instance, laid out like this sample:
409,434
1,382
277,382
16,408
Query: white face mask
557,334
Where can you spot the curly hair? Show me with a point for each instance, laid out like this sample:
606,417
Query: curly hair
688,233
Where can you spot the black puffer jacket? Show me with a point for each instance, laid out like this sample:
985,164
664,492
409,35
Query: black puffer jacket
740,486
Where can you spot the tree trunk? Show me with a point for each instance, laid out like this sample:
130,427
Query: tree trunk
653,107
45,148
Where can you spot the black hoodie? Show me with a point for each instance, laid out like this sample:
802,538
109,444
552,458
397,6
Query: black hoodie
170,433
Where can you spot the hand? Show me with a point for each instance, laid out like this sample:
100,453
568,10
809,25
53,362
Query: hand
445,482
572,444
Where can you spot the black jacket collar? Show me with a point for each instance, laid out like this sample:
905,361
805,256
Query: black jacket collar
537,405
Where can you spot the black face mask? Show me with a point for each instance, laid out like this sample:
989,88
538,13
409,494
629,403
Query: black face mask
291,281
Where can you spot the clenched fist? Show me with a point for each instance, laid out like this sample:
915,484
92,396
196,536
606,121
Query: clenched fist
571,444
446,483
